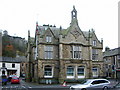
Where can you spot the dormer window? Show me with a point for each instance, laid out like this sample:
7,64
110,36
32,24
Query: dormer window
48,39
94,43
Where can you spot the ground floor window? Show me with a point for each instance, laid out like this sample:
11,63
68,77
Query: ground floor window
75,71
48,71
70,72
95,71
80,72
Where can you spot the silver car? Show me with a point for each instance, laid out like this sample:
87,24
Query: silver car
92,84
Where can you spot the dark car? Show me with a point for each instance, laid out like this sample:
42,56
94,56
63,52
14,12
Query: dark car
4,79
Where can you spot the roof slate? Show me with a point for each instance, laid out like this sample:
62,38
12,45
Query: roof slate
111,52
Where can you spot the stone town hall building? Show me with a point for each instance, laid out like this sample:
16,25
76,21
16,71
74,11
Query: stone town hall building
63,54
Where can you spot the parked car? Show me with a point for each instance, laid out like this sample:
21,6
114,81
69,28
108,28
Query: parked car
92,84
4,79
10,77
117,86
15,80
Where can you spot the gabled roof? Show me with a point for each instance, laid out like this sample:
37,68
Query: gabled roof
55,31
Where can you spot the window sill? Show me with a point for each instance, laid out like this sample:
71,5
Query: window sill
48,76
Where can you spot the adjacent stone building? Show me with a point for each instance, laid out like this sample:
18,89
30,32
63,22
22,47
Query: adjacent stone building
0,44
64,54
111,59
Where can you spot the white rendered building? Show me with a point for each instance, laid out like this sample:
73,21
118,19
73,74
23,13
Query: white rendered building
9,66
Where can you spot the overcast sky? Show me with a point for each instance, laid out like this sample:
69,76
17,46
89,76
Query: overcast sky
19,16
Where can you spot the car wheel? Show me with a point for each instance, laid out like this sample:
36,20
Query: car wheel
105,88
83,89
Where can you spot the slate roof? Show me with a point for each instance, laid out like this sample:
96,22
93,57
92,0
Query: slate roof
111,52
57,31
42,29
12,60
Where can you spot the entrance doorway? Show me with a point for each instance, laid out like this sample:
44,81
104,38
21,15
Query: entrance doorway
11,72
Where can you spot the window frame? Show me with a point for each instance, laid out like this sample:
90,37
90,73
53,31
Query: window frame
83,73
70,72
13,65
94,54
48,39
51,71
48,52
76,52
3,65
95,71
94,43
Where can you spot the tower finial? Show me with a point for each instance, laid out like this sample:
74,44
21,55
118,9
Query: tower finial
74,14
73,6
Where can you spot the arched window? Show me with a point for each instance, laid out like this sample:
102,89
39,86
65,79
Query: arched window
70,72
81,72
48,71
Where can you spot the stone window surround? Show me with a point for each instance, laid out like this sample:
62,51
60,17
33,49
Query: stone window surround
94,43
48,50
75,73
52,67
48,38
76,50
94,54
95,72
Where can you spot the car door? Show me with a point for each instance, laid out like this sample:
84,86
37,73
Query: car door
95,84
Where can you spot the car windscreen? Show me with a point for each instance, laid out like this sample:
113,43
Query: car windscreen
85,82
14,78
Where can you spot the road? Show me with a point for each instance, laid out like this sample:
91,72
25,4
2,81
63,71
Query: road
34,86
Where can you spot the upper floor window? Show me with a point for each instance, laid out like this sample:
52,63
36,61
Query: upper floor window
76,52
3,64
48,52
13,65
94,43
48,39
94,54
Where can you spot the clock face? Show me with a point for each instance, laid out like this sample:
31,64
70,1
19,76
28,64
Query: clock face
75,33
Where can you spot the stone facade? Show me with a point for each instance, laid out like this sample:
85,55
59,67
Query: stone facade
111,59
64,54
0,44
